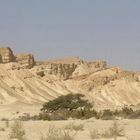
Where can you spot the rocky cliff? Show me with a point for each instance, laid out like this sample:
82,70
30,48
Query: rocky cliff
21,60
6,55
68,68
25,60
24,80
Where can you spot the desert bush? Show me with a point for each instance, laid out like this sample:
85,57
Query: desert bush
135,115
34,118
56,116
98,134
113,132
125,112
83,113
128,113
58,134
43,116
94,134
63,115
72,126
52,134
17,131
106,134
107,115
7,123
52,116
25,117
66,135
4,119
2,129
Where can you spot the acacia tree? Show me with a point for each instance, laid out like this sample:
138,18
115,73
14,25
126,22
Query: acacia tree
67,102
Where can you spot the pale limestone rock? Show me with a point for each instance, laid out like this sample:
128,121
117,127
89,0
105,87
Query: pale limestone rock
6,55
20,60
48,80
25,60
69,68
62,71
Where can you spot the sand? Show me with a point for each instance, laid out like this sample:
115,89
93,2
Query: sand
34,129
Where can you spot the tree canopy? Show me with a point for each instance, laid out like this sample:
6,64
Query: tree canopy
69,102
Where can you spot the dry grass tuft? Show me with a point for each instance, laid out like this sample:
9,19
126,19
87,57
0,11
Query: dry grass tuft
58,134
113,132
72,126
17,132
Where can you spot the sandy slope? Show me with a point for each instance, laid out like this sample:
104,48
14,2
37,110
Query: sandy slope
105,87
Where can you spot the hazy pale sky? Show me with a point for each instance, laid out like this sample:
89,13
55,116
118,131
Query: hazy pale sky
90,29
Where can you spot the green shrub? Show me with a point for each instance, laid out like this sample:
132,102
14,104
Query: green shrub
83,113
125,112
63,107
135,115
43,116
128,113
25,117
107,115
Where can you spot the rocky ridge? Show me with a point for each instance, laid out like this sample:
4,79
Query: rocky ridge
21,60
24,80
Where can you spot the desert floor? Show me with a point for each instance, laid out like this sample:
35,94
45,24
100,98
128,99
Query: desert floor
34,129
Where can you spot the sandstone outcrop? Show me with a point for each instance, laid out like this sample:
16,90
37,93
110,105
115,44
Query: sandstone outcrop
25,60
6,55
22,80
20,60
68,68
61,71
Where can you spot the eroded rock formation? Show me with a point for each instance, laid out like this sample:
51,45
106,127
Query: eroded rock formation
6,55
20,60
69,68
25,60
24,80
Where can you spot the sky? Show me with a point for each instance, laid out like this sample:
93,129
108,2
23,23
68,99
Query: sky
91,29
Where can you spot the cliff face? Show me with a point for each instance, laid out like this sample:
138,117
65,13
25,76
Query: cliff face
25,60
22,60
68,69
24,80
62,69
